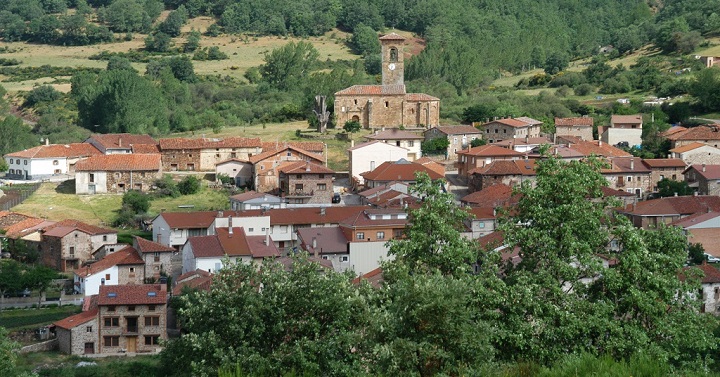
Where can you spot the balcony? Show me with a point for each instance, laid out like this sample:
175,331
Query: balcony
130,330
299,194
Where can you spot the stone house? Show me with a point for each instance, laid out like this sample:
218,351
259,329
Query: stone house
399,171
510,173
67,244
132,318
510,128
459,137
28,231
266,165
121,143
117,173
629,174
202,154
239,170
623,128
707,134
660,168
709,61
710,284
399,138
157,258
368,231
581,127
208,253
650,214
119,268
366,157
256,200
47,160
79,334
387,105
303,182
597,148
478,157
696,153
706,178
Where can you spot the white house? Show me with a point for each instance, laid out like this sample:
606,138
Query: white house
119,268
47,160
368,156
623,128
239,170
256,200
400,138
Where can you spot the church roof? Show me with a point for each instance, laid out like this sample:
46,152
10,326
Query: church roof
373,90
420,97
392,37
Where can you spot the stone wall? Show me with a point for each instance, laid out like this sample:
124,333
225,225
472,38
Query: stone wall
675,174
310,184
583,132
141,311
48,345
183,160
73,341
119,182
153,268
134,274
210,157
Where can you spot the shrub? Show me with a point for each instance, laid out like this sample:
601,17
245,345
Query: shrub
136,201
45,93
352,126
189,185
583,89
166,187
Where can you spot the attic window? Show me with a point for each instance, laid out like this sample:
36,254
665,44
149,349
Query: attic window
112,294
152,294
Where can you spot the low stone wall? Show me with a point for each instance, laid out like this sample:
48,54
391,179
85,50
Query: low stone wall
49,345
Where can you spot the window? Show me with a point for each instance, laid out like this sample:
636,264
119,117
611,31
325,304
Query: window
344,258
92,178
111,308
629,178
152,340
397,143
111,341
380,235
411,143
156,257
217,155
88,329
298,176
107,276
72,251
454,140
481,225
321,176
360,235
18,161
111,321
56,162
131,308
24,162
152,321
104,238
289,154
387,104
355,101
393,54
322,187
191,166
298,187
233,155
283,228
132,270
151,308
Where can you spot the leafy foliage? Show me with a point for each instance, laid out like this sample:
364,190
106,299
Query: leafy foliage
189,185
352,126
669,187
437,145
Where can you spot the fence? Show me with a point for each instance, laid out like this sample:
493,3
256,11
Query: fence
16,195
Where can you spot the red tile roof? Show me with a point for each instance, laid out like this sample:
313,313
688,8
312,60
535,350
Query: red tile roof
362,145
146,246
201,280
115,141
664,163
607,191
57,151
457,130
431,164
206,246
489,151
420,97
579,121
711,275
482,213
64,227
529,121
78,319
305,167
675,205
707,171
139,294
209,143
372,90
145,148
362,219
493,196
235,244
688,147
310,146
121,162
248,195
695,219
267,154
598,148
672,130
25,227
9,218
707,132
374,277
124,257
631,119
394,134
626,165
502,167
392,37
401,170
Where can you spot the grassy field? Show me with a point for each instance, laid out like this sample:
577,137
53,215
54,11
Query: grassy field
51,364
18,319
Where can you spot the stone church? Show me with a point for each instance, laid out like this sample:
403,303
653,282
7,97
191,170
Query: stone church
387,105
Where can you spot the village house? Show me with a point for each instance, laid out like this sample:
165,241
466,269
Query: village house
208,253
707,134
696,153
157,257
122,143
629,174
710,284
303,182
79,334
399,138
494,196
510,128
366,157
650,214
478,157
596,148
398,171
581,127
266,165
241,171
387,105
29,230
709,61
392,194
119,268
256,200
117,173
193,280
45,161
510,173
481,223
202,154
623,128
67,244
705,178
458,137
132,318
368,232
664,168
526,145
702,228
328,243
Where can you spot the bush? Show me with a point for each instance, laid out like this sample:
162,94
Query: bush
352,126
189,185
435,146
136,201
583,89
225,179
45,93
166,187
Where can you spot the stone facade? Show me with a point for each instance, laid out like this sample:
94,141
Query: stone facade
69,252
131,274
79,340
131,329
504,129
114,182
307,188
704,154
266,168
156,263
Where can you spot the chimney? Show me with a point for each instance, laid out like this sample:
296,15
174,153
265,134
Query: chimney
527,139
47,141
220,213
632,164
119,142
703,168
314,243
267,236
230,232
675,194
163,287
599,143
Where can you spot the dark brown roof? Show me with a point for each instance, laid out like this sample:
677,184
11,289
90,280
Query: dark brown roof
305,167
707,171
120,162
329,240
372,90
78,319
247,195
145,246
502,167
631,119
259,157
401,170
607,191
209,143
457,130
194,280
127,256
139,294
189,220
115,141
579,121
489,151
664,162
675,205
235,244
626,165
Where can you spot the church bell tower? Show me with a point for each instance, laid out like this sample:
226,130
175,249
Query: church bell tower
393,67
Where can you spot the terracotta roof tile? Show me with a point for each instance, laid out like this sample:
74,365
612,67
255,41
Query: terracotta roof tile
675,205
200,283
695,219
372,90
707,132
626,165
362,145
305,167
116,141
672,130
269,153
494,196
710,274
10,218
78,319
392,37
58,151
458,130
431,164
708,172
189,220
209,143
664,162
632,119
120,162
27,226
708,237
688,147
362,219
248,195
146,246
62,228
401,170
374,277
206,246
139,294
126,256
502,167
192,275
607,191
489,151
530,121
598,148
579,121
145,148
394,134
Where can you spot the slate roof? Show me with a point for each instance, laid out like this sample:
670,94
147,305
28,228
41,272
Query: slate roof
125,140
121,162
124,257
401,170
489,150
64,227
394,134
674,205
578,121
146,246
209,143
57,151
78,319
372,90
305,167
138,294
